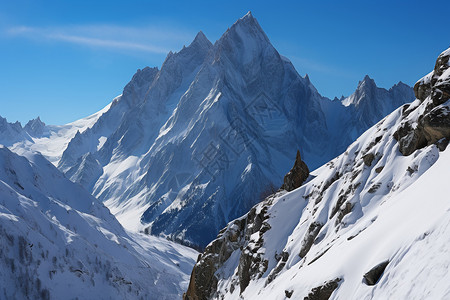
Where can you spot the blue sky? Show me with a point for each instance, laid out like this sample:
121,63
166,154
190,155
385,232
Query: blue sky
64,60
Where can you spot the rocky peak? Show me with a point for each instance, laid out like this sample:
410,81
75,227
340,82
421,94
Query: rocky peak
135,90
366,88
35,127
6,126
297,175
196,52
201,40
244,40
366,84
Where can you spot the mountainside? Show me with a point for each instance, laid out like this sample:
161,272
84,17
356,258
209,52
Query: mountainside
57,241
373,223
191,146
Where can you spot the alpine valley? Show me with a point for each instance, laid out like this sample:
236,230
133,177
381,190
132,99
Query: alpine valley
228,150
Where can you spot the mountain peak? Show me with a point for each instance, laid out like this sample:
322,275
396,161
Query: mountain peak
248,21
367,80
35,127
201,39
366,84
248,15
244,40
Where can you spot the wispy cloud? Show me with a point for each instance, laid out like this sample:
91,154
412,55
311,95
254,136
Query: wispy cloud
145,39
304,63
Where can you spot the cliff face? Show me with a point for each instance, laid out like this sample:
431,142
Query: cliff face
358,226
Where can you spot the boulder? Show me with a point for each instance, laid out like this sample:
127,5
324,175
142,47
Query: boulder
368,159
324,291
436,124
372,277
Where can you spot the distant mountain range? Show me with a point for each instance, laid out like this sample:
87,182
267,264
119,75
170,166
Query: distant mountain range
189,147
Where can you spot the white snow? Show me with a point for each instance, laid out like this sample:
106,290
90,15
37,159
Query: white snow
57,240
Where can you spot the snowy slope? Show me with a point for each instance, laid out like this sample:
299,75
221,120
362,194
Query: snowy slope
49,140
59,242
382,204
186,148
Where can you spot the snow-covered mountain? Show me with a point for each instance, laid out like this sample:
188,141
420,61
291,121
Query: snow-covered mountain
49,140
59,242
373,223
191,146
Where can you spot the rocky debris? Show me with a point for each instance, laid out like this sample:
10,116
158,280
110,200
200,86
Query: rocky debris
324,291
239,234
297,175
368,159
372,277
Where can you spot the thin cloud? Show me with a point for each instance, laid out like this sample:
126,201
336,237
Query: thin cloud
147,39
304,63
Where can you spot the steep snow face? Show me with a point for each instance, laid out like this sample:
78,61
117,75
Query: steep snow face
201,144
189,147
372,223
57,240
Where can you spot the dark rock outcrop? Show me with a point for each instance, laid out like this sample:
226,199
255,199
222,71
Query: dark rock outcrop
368,159
309,238
237,235
433,124
436,124
324,291
297,175
372,277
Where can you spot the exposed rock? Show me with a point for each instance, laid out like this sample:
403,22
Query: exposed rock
436,124
282,259
237,235
368,159
372,277
409,139
297,175
288,293
309,238
324,291
379,169
442,144
422,88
